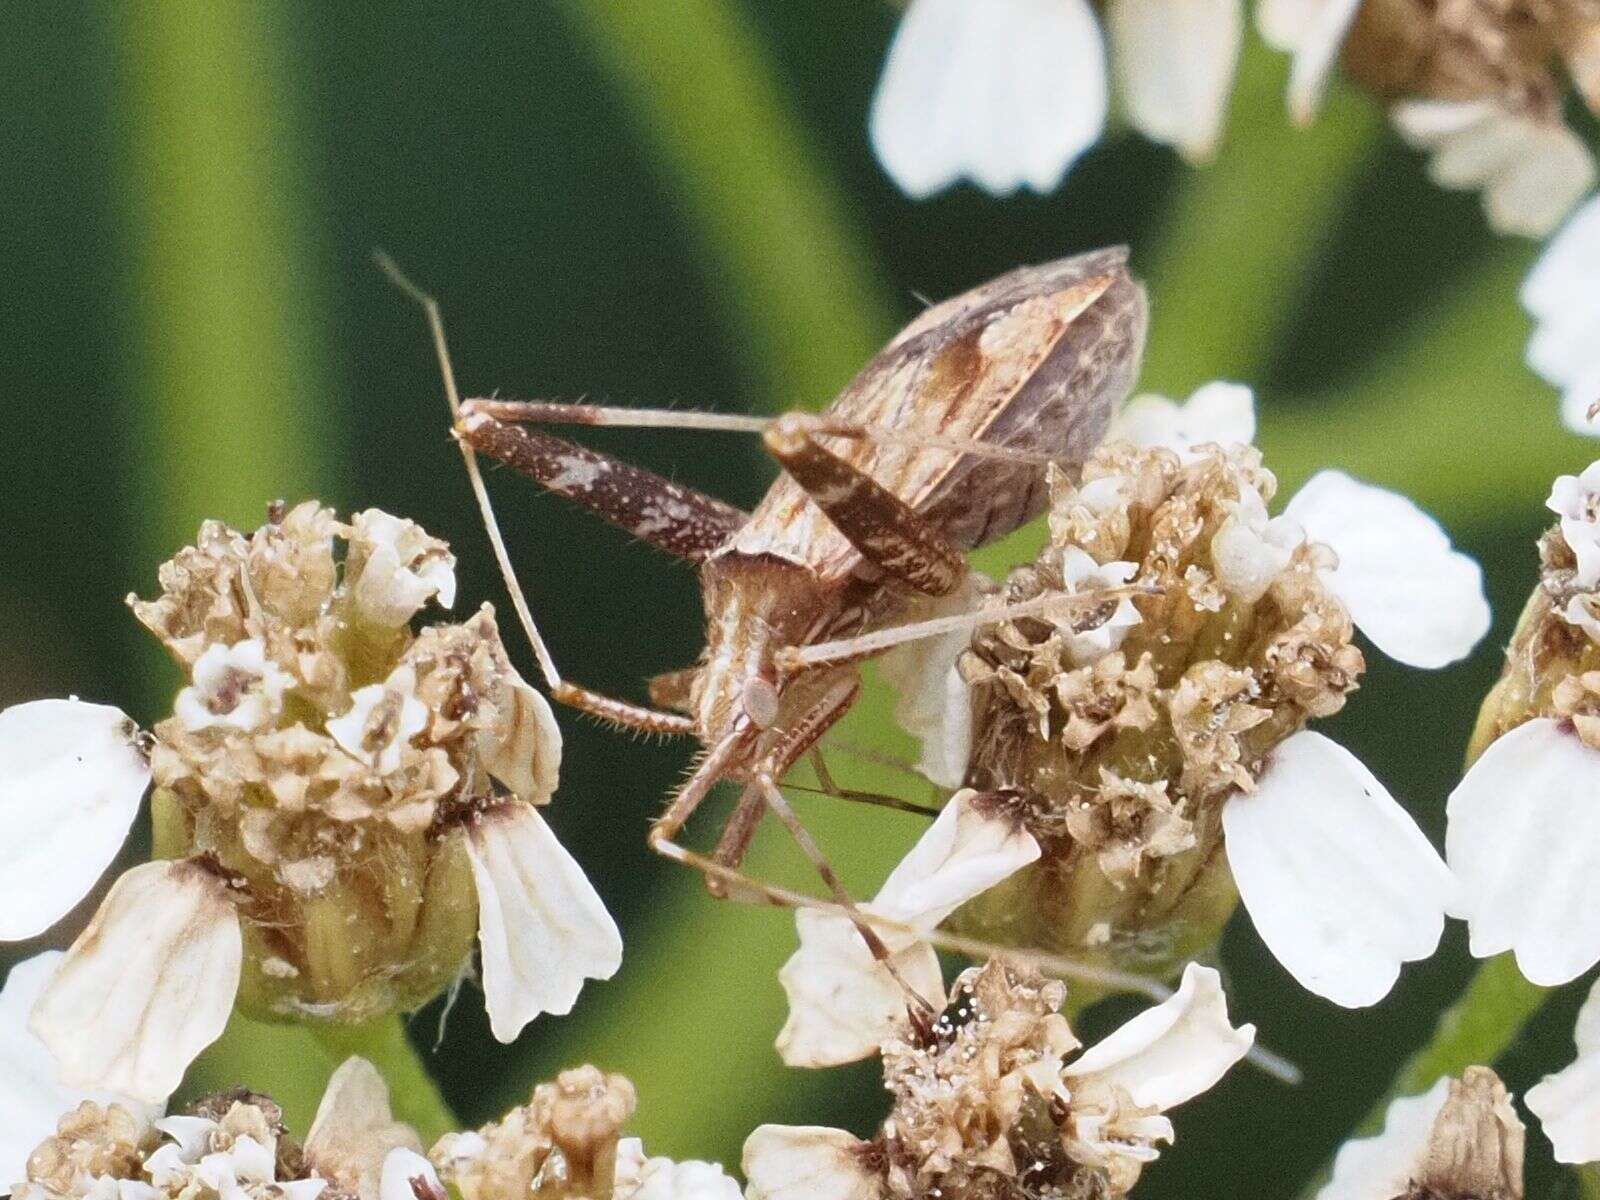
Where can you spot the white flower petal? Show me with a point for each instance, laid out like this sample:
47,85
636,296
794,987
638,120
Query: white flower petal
351,730
191,1138
71,778
1313,31
354,1130
148,985
1576,500
526,756
1420,601
1005,93
640,1178
32,1096
1567,1103
1382,1166
1340,883
806,1162
1524,840
964,853
1171,1052
1220,412
1532,172
842,1002
543,928
409,1176
1251,550
1175,61
1560,293
935,705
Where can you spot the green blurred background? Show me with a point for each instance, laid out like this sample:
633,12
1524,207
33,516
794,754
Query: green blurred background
672,202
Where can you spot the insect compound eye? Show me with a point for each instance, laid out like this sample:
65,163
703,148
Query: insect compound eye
760,700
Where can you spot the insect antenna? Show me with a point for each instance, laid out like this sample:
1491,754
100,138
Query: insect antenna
441,349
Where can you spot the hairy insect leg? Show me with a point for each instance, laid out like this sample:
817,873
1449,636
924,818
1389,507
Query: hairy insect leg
671,517
620,712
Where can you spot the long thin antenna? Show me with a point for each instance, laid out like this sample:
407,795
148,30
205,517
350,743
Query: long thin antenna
519,602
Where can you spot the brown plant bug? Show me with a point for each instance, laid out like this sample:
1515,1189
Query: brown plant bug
938,446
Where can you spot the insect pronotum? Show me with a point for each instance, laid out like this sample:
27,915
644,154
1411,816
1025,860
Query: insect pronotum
939,445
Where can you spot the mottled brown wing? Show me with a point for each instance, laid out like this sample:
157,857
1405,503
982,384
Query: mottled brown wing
1037,360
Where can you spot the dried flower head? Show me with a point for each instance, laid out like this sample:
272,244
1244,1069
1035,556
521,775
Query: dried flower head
1154,747
233,1147
566,1143
1523,836
1473,81
344,802
989,1100
1460,1140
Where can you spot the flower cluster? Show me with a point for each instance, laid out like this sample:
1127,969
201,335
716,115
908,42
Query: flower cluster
1149,751
340,805
1009,93
1474,82
990,1100
565,1144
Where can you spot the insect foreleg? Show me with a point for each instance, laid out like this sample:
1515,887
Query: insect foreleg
887,531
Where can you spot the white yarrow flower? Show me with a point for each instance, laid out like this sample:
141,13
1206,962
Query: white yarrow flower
1008,93
1531,172
843,1003
1575,499
1219,412
1561,296
1524,839
71,779
1005,1044
396,567
1567,1103
235,686
33,1095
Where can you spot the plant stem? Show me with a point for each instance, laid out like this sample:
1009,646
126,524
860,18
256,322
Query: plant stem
793,270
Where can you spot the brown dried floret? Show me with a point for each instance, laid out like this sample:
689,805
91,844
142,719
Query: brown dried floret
92,1141
561,1144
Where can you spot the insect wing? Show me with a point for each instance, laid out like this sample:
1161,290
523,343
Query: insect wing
1036,360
